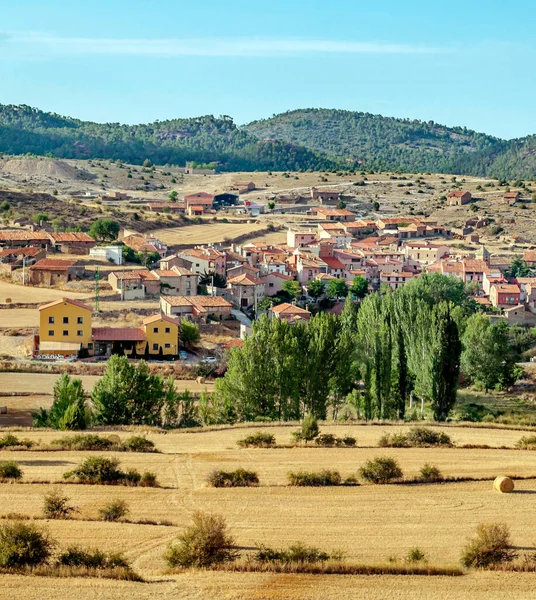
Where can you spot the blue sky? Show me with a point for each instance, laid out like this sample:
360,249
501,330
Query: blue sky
462,62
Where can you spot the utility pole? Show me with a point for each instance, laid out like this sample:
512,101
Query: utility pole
97,290
23,270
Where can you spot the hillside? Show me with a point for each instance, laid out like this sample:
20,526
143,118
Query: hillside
400,144
203,140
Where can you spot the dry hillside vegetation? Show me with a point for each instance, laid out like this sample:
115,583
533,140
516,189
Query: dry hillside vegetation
368,522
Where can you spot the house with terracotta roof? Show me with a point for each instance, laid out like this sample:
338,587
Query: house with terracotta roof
205,259
245,290
72,243
12,258
459,197
425,252
530,258
195,307
297,238
142,243
395,280
325,195
177,281
333,214
54,271
64,328
135,284
289,312
511,197
503,295
198,204
273,282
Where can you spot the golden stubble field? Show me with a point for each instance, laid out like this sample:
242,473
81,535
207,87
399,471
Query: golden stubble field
369,523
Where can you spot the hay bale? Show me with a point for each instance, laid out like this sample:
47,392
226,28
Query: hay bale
504,485
200,380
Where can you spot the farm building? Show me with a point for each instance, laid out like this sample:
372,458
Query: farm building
325,195
459,197
198,204
11,258
113,254
51,271
511,197
72,243
225,199
195,307
21,239
333,214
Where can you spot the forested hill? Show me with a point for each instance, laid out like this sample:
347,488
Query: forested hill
400,144
203,140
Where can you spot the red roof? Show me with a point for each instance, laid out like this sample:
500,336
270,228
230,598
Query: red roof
118,334
53,264
68,301
30,251
333,263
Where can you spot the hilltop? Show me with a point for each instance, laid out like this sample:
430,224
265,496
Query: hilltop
389,143
203,140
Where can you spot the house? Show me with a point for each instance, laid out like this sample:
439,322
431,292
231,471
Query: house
205,259
173,260
289,312
334,232
177,281
52,271
273,282
333,214
325,195
459,197
64,328
113,254
297,238
504,295
72,243
135,284
241,270
425,252
20,239
246,290
198,204
195,307
530,258
141,243
519,315
11,258
129,341
511,197
162,335
395,280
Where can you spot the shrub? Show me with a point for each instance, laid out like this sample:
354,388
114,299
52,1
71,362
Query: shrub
322,478
416,555
148,479
92,559
9,469
257,440
308,430
84,441
138,443
97,469
527,442
9,440
56,506
326,439
350,480
491,546
23,544
132,477
297,553
381,470
114,510
206,542
430,473
238,478
347,441
416,437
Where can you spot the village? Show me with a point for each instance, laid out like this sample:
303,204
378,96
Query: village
332,251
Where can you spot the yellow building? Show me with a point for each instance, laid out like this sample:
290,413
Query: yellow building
64,327
161,332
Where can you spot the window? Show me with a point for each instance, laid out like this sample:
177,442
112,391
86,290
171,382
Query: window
65,332
51,332
155,329
168,330
90,346
155,346
168,345
65,319
79,333
270,285
51,320
79,320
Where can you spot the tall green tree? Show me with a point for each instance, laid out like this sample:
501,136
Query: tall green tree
104,230
337,288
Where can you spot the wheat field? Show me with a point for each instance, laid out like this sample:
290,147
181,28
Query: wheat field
369,523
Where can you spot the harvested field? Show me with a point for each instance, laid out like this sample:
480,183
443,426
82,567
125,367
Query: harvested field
19,317
30,294
208,233
369,523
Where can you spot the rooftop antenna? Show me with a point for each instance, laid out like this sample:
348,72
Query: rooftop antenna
97,290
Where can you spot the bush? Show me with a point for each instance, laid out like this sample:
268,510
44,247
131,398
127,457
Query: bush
322,478
92,559
416,555
9,469
114,510
9,440
97,469
206,542
297,553
527,442
347,441
23,544
257,440
148,479
327,440
308,430
238,478
491,546
84,442
138,443
381,470
416,437
430,473
56,506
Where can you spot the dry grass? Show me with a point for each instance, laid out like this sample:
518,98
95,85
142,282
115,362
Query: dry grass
398,517
30,294
206,233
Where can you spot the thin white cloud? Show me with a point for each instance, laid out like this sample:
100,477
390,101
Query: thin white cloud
28,45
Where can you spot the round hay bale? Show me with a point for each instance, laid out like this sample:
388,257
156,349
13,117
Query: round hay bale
504,485
200,380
